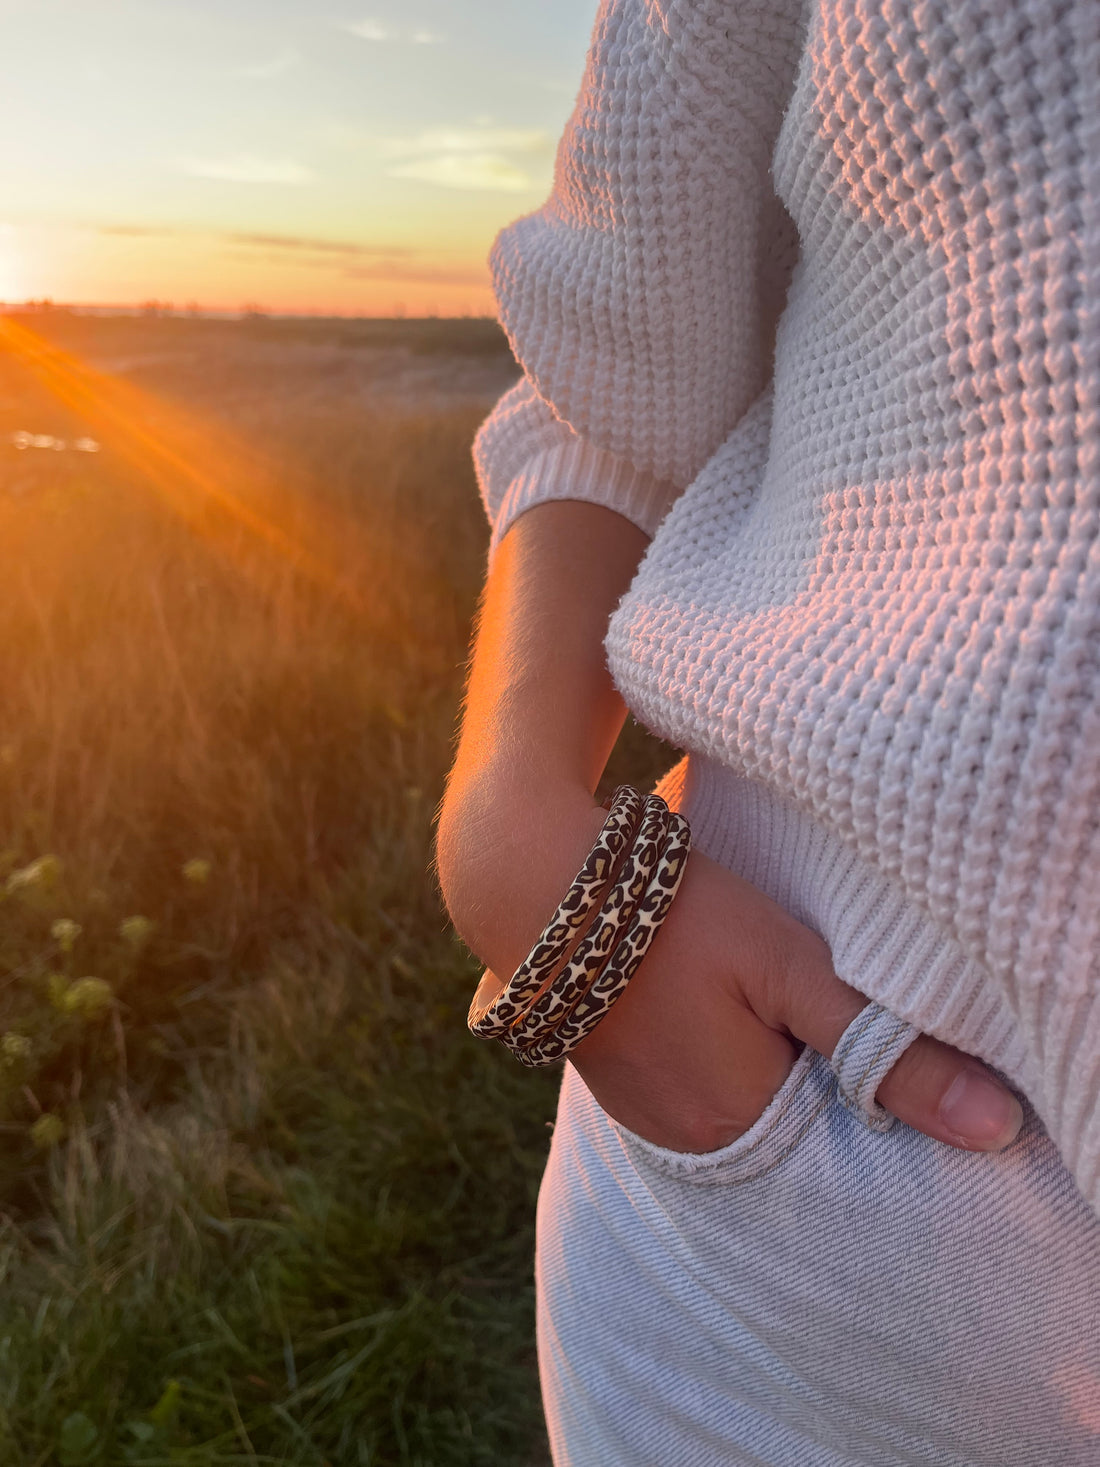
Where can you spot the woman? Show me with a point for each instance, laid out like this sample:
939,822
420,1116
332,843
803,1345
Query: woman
808,436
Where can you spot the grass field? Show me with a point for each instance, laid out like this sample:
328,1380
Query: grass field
262,1200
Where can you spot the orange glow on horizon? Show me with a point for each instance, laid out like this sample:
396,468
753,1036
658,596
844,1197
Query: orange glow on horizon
278,274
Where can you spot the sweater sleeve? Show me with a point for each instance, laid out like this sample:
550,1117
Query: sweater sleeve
641,299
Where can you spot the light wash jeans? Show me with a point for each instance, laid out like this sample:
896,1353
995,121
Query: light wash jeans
820,1293
816,1293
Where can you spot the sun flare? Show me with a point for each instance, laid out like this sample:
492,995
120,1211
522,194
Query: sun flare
219,487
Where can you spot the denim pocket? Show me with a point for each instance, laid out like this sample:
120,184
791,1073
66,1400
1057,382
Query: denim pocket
788,1119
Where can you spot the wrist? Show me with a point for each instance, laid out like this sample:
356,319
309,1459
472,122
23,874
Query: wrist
508,846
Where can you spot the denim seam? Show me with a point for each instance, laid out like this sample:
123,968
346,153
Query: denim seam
741,1165
854,1033
875,1115
890,1040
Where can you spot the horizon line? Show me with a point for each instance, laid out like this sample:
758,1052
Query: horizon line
160,310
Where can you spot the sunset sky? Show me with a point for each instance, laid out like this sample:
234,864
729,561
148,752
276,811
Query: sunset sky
301,155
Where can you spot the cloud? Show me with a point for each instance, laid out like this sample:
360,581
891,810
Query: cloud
466,171
374,30
357,261
136,231
306,245
412,274
312,249
473,156
266,70
477,158
370,30
480,139
244,168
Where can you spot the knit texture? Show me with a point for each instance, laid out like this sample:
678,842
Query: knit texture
531,456
873,591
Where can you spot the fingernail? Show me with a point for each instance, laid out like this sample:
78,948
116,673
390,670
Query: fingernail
980,1112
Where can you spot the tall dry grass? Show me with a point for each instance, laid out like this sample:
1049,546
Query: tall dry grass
173,695
262,1200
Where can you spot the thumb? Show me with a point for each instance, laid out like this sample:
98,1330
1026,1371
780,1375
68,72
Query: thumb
952,1097
935,1089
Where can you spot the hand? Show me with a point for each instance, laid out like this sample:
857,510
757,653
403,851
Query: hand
694,1050
692,1053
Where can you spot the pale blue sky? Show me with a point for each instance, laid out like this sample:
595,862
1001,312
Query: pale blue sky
332,155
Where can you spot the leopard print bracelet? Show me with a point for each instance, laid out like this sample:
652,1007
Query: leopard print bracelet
492,1019
580,972
625,960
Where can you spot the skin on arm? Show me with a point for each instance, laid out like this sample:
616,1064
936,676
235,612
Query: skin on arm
693,1051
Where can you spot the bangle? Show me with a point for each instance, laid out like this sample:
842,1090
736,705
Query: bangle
611,923
492,1020
624,962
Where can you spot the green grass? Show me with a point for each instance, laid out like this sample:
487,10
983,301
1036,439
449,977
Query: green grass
325,1242
262,1199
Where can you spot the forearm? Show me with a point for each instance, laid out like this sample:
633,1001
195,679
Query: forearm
691,1054
541,718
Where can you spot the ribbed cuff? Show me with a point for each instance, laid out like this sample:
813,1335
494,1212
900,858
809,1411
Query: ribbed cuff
575,469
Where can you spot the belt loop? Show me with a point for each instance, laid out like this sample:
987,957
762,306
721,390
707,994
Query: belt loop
865,1054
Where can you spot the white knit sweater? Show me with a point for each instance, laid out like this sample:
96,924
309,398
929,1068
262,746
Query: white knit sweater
873,587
